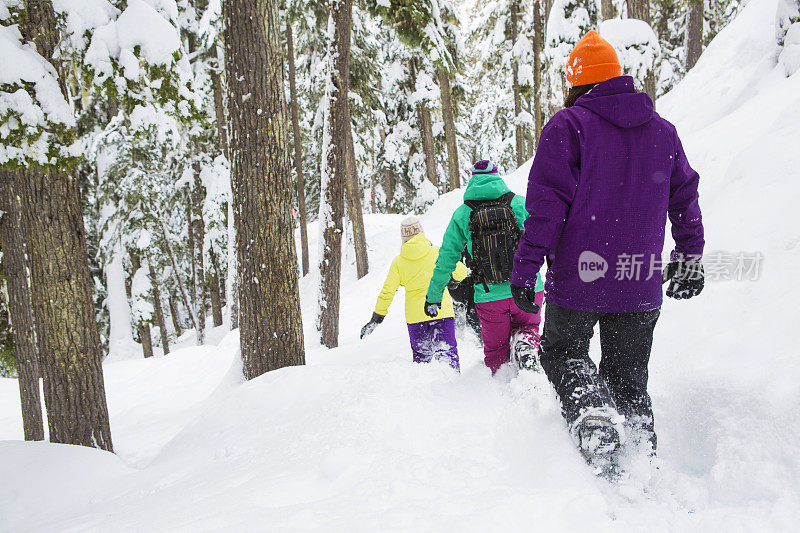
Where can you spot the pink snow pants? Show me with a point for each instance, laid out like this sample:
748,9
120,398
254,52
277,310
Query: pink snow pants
502,319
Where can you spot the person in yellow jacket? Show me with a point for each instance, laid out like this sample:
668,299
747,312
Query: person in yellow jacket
431,337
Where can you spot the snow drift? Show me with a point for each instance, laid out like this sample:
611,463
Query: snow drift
361,439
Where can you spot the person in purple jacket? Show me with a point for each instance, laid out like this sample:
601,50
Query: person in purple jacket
607,173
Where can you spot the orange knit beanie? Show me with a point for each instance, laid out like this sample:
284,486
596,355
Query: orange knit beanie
593,60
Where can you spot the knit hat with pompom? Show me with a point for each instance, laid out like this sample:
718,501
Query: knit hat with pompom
484,167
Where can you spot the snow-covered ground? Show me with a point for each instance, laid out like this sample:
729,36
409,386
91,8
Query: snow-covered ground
360,439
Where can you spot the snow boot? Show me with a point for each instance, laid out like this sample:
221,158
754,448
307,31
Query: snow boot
599,440
525,353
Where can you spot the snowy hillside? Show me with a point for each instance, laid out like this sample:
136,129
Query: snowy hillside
361,439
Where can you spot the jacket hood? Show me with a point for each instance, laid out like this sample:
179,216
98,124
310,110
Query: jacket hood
485,187
617,101
416,247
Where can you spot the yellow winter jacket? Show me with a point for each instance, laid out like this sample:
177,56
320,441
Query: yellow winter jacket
413,269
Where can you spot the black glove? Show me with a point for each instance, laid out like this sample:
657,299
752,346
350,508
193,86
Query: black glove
453,284
525,298
686,279
372,324
432,309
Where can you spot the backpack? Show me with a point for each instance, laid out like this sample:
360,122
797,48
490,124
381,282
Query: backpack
495,236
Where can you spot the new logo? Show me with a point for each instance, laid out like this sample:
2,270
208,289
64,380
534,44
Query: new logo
591,266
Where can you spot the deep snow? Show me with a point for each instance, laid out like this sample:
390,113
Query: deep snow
361,439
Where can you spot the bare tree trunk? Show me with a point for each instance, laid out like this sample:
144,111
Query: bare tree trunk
448,114
694,32
335,176
233,271
213,282
640,9
426,131
519,131
199,231
607,10
177,277
354,206
537,70
192,256
298,150
61,288
176,320
162,325
270,322
12,239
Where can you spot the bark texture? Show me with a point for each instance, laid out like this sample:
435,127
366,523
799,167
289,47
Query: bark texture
354,206
159,311
607,10
300,182
214,290
199,232
271,327
26,353
448,114
336,165
63,306
640,9
219,105
694,32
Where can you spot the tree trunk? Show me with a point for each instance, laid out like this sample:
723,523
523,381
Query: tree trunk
176,320
74,391
298,150
426,132
193,273
389,180
270,322
694,32
12,240
213,282
537,70
219,105
519,130
177,276
142,328
232,280
335,175
199,232
159,311
448,114
640,9
607,9
61,285
354,206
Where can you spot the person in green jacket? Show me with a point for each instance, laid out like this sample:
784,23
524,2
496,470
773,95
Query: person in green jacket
502,322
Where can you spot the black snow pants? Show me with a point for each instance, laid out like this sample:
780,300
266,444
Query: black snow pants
625,342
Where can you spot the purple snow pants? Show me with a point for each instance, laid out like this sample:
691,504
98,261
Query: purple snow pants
434,339
502,319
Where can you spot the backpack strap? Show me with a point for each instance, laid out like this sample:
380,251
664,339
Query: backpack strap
472,204
507,198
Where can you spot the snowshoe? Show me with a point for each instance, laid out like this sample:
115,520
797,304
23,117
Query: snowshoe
526,355
599,441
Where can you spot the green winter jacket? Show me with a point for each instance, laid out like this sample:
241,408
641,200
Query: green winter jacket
457,235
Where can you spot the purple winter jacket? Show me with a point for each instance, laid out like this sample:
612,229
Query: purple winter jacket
606,174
